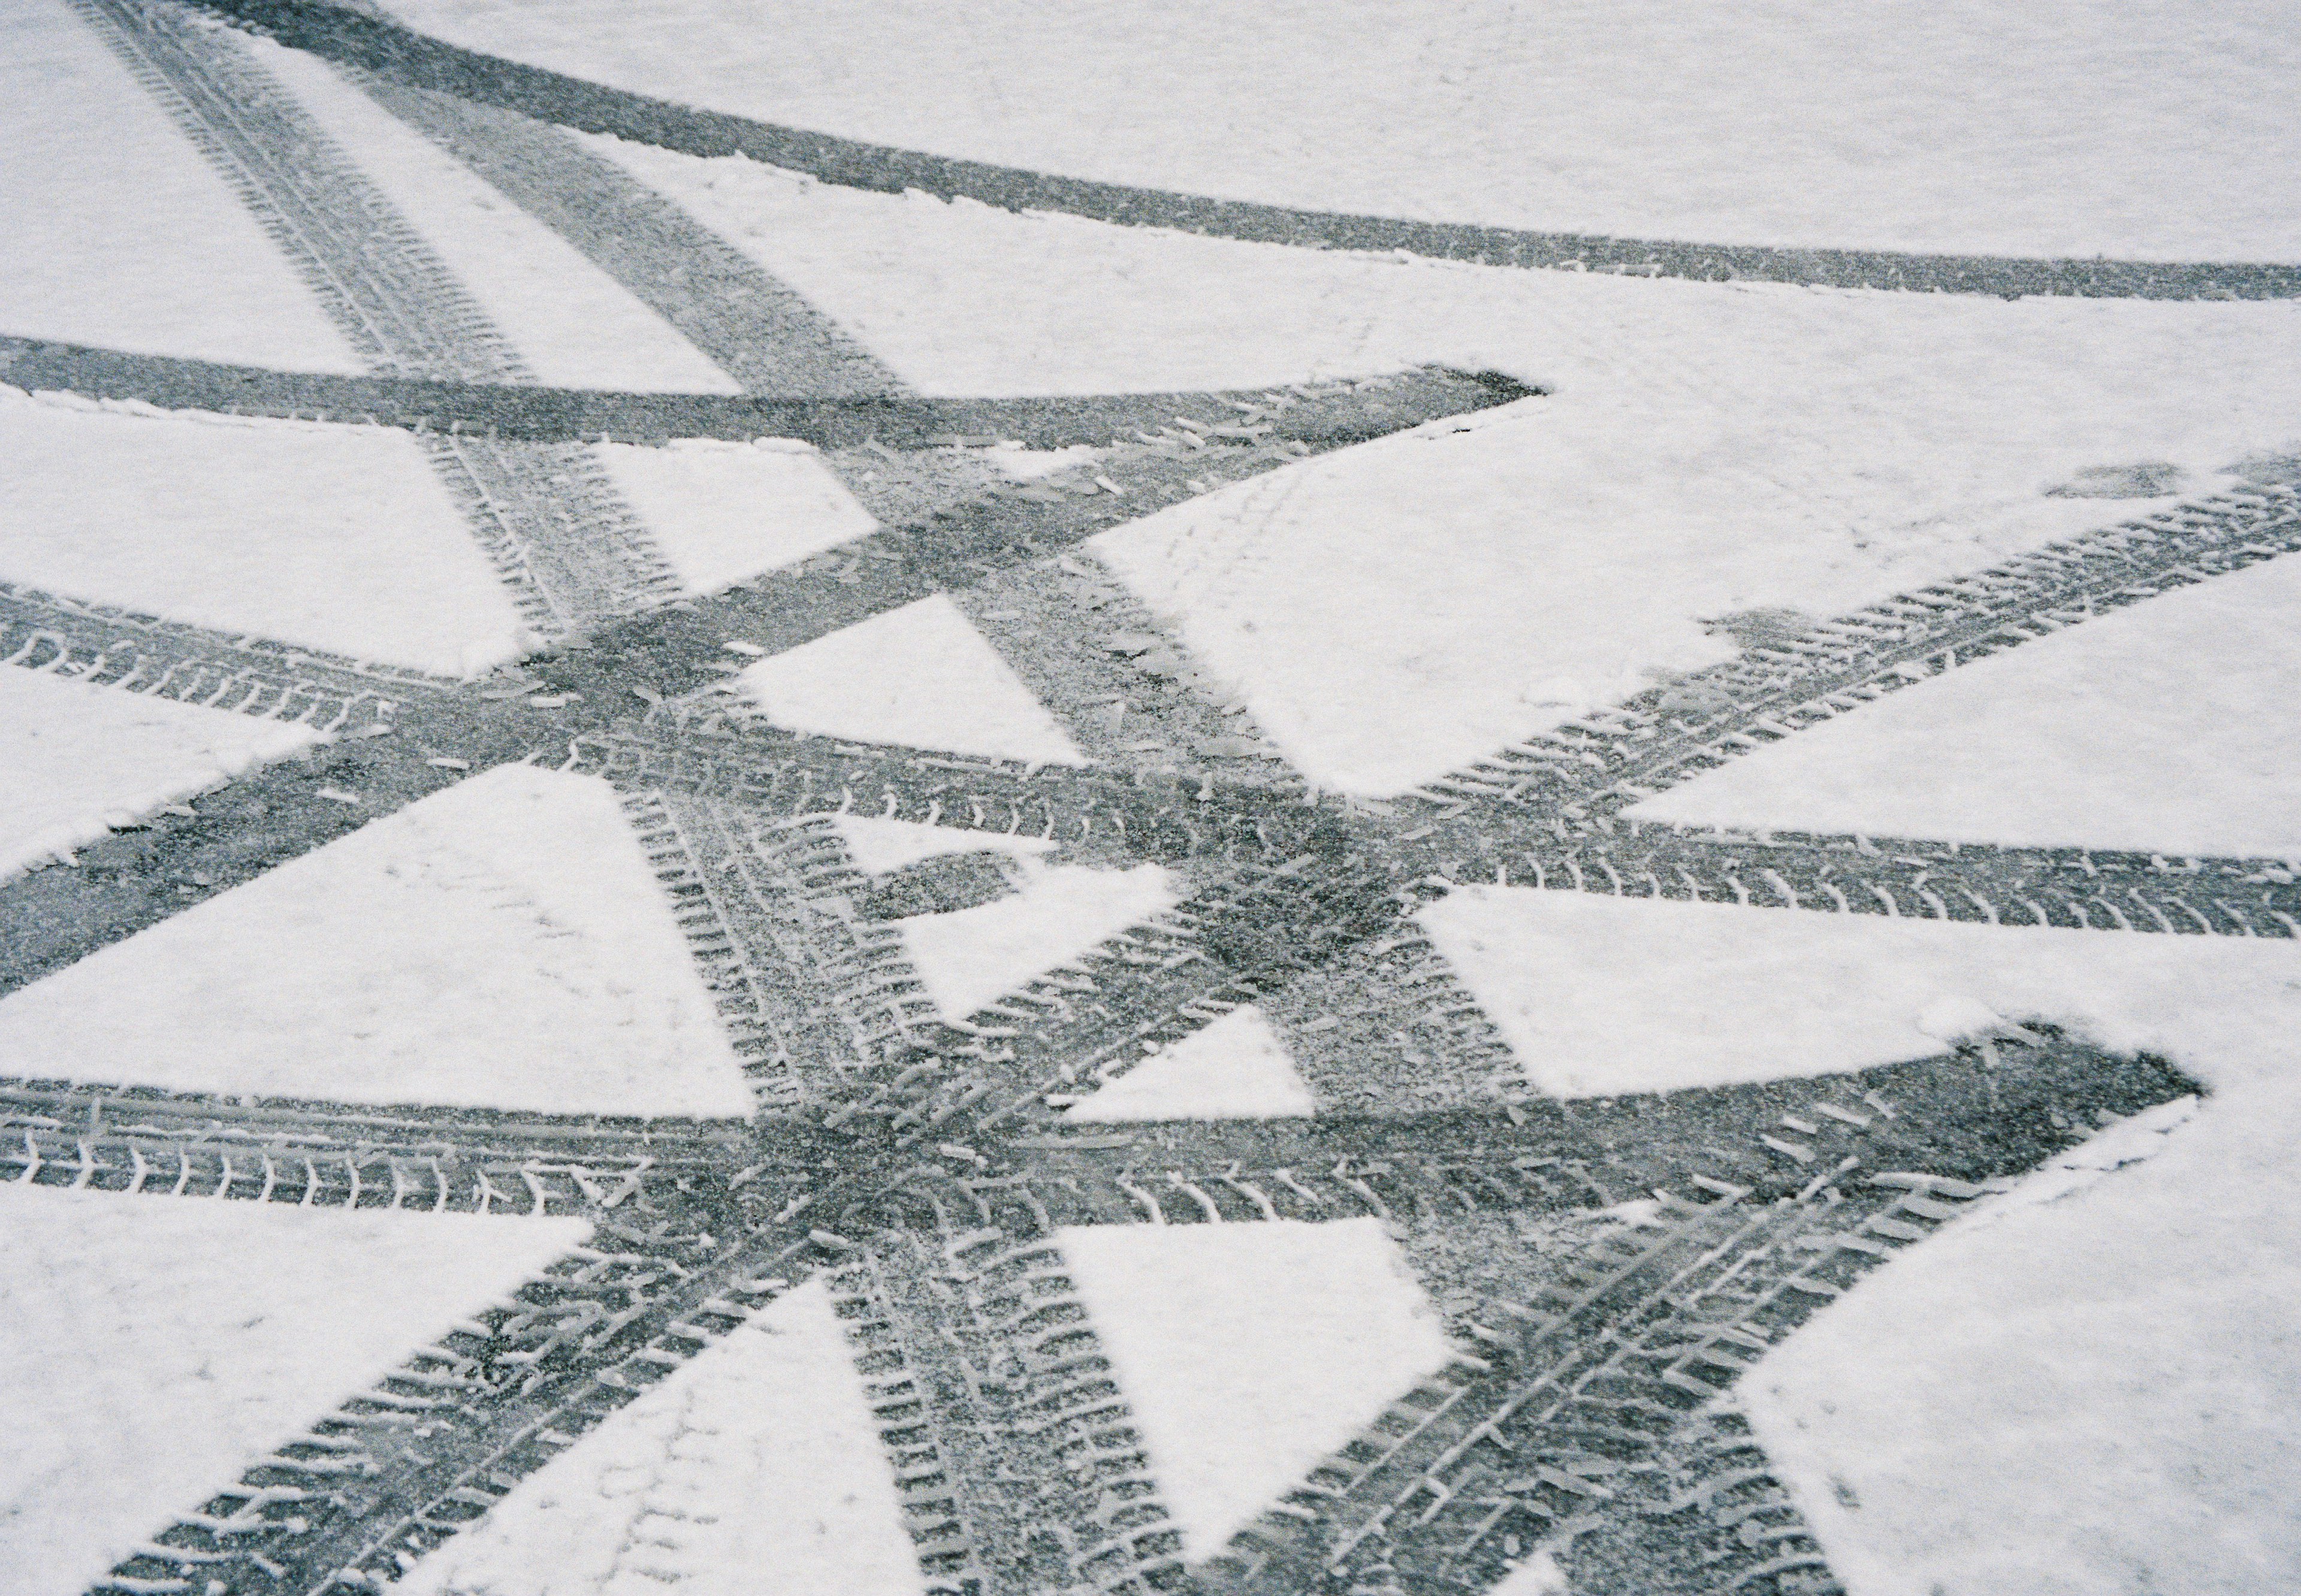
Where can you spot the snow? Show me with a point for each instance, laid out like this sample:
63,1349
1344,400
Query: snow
335,538
760,1454
120,233
1237,1068
446,955
968,958
2080,127
1601,995
76,759
2075,739
1251,1351
722,512
2090,1395
575,326
920,674
150,1349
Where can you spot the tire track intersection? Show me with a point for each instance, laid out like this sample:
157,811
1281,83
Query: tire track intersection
924,1166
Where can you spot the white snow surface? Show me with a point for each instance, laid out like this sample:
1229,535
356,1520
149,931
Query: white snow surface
722,512
151,1349
120,233
1237,1068
500,943
334,537
757,1457
2093,1391
575,326
877,845
77,759
2170,726
2079,127
1251,1351
921,675
1601,995
969,958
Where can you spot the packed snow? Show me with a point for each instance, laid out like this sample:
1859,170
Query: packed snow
2079,127
151,1349
445,954
335,537
758,1454
120,233
921,675
2167,727
1249,1352
78,760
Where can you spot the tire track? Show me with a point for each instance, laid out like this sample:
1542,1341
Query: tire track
420,61
536,414
556,532
1560,1401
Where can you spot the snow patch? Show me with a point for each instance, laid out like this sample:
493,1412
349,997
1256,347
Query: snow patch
1600,996
722,512
758,1454
120,233
77,759
969,958
1237,1068
446,955
1251,1351
335,538
2167,727
573,324
151,1348
920,675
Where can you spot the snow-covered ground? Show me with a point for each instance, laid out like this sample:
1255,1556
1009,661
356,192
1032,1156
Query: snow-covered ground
2077,127
2092,1389
79,760
149,1350
443,955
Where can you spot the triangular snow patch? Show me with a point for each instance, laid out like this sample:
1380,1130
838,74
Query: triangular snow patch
1251,1351
2070,739
502,942
967,959
921,675
74,757
760,1453
1235,1068
326,537
151,1348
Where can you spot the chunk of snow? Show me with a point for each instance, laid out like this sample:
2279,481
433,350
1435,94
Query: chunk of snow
968,958
1251,1351
445,954
921,675
1237,1068
1955,1019
573,324
1601,995
2065,740
76,758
